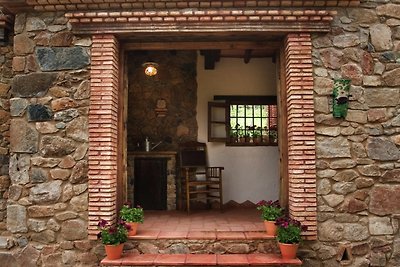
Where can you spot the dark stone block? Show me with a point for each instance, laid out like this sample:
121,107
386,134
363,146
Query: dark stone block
32,85
388,57
38,112
38,175
62,58
4,163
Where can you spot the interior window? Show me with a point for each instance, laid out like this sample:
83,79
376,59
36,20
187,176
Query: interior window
244,121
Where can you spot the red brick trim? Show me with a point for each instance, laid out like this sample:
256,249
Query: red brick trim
202,20
103,121
158,16
61,5
301,131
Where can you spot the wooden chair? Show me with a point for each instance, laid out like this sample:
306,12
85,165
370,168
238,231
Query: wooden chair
198,180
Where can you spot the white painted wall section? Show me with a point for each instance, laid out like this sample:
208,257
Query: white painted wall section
251,173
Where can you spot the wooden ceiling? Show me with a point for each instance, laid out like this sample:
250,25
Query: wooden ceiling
211,57
213,51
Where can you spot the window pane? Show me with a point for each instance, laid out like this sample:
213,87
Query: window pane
241,122
249,110
233,112
257,111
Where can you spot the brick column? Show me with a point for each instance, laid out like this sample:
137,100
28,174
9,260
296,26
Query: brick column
103,121
301,132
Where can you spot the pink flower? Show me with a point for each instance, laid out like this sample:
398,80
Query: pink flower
261,203
102,223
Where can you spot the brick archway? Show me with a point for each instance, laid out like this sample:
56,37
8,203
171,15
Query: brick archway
104,121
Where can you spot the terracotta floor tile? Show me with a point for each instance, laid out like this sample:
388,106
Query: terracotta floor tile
258,235
232,259
198,229
231,235
270,259
209,235
237,228
139,259
223,229
201,259
107,262
234,219
262,259
172,234
146,234
170,259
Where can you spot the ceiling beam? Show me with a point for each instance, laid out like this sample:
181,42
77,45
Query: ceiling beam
210,58
247,55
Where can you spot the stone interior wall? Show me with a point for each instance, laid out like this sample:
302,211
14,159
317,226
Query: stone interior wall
358,158
174,86
171,177
161,107
47,199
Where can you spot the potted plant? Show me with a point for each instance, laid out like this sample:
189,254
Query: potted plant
248,134
233,134
273,134
113,237
257,135
132,216
270,211
240,133
289,236
265,135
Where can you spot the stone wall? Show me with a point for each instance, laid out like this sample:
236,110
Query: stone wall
6,55
48,198
358,167
163,105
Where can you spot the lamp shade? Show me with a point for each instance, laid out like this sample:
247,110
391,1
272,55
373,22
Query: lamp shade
150,68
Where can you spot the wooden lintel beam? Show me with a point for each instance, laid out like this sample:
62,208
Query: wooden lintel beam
201,45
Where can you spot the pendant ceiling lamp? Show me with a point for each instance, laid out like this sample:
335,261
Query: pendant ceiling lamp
150,68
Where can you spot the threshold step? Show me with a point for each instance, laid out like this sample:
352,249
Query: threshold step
201,260
210,235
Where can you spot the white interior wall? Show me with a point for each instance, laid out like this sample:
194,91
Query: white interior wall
251,173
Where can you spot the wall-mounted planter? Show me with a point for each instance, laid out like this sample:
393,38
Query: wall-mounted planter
341,88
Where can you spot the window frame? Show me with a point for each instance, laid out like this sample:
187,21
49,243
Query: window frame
225,102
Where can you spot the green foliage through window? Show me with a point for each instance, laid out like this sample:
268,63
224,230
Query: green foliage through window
253,123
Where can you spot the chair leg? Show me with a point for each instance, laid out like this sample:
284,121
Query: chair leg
187,191
221,202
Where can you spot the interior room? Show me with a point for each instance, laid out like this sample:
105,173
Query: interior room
171,107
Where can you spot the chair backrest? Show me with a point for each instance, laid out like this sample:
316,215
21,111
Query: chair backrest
193,154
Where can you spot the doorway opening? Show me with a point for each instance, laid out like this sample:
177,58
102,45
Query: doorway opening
184,85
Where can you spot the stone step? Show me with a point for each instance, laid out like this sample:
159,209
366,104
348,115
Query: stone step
258,259
201,242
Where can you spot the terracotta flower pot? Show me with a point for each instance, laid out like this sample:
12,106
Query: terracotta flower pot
134,226
114,251
270,227
288,251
